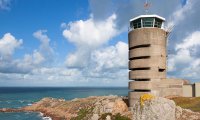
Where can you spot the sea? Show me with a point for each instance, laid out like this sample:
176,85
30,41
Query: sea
16,97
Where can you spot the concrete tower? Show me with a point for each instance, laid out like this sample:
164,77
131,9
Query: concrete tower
147,57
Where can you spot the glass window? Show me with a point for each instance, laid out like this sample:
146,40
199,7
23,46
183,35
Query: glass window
147,22
158,23
136,24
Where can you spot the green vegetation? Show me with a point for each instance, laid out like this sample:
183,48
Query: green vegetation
120,117
192,103
82,113
114,117
103,116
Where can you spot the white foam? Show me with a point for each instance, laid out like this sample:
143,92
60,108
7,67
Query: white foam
29,104
46,118
21,101
41,114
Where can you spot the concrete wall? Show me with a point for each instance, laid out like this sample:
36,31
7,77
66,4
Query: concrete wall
188,90
147,65
143,36
191,90
197,89
154,61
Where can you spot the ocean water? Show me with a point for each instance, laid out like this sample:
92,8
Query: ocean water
16,97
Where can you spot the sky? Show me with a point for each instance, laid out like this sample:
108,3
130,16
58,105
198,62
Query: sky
85,43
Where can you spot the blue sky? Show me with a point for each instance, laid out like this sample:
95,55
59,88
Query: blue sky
25,17
84,42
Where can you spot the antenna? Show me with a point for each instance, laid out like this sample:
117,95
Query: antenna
146,6
168,35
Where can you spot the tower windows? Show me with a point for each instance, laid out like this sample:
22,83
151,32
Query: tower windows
146,21
136,24
140,57
158,23
140,46
161,70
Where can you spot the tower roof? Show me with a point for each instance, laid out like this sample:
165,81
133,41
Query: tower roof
147,16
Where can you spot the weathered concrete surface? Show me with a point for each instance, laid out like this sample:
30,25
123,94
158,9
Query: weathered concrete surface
157,87
147,55
147,65
191,90
156,62
188,90
146,74
154,36
197,89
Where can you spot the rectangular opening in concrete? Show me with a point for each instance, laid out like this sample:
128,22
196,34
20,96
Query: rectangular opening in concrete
144,68
161,70
136,90
140,46
142,79
140,57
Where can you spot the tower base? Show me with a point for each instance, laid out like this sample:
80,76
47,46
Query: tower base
161,88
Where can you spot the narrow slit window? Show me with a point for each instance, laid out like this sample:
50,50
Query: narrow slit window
161,70
140,46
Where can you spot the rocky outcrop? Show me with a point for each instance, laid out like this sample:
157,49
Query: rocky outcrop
159,108
109,108
91,108
112,104
155,109
186,114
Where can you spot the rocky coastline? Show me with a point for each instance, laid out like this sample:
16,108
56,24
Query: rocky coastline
108,108
93,107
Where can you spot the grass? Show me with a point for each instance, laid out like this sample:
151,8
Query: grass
120,117
114,117
192,103
82,113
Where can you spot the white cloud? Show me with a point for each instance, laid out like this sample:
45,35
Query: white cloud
179,15
4,4
190,42
106,64
37,59
8,44
97,63
185,62
91,33
182,57
63,25
87,36
45,47
112,57
79,58
30,61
